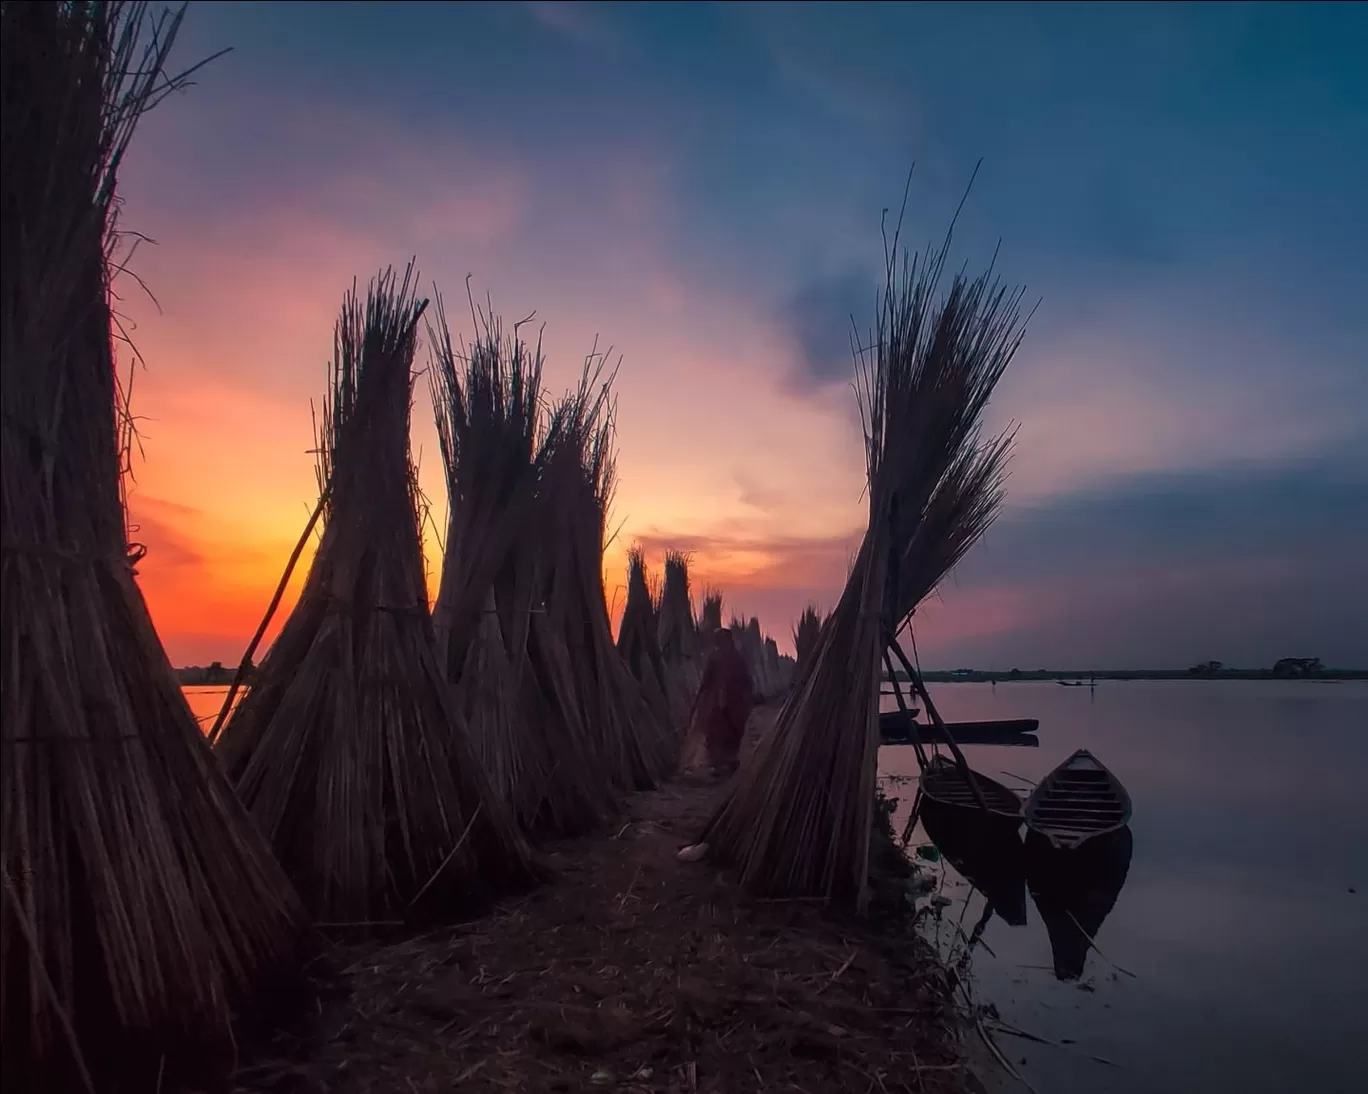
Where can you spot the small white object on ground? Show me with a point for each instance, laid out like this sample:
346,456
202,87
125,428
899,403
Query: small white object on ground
692,853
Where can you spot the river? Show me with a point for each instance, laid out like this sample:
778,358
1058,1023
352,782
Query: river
1244,912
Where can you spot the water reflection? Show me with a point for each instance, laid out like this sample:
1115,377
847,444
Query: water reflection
1240,910
1074,891
987,854
206,702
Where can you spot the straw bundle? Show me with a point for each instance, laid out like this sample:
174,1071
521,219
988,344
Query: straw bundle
633,744
762,656
799,822
678,634
139,909
709,617
488,406
680,647
637,642
805,636
778,668
347,750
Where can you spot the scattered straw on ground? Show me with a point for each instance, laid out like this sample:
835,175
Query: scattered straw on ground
632,972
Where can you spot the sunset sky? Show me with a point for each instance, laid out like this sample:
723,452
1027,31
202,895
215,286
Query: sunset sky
700,187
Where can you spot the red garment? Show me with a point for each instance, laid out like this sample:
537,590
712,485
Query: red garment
725,695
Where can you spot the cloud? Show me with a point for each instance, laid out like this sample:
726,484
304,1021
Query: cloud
821,315
158,525
761,496
1302,508
1244,564
581,23
812,562
770,577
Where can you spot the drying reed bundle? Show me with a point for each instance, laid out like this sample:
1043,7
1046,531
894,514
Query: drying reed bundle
680,647
709,618
799,822
634,746
347,749
489,420
138,906
677,634
762,656
805,636
637,642
779,667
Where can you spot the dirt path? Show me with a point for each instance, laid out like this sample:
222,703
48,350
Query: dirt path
633,972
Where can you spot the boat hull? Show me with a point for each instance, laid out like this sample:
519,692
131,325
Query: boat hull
893,730
1079,801
944,784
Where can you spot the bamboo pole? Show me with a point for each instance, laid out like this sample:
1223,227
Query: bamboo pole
919,688
910,721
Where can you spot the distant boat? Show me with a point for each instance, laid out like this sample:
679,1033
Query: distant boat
944,783
1074,892
1080,800
987,855
1073,683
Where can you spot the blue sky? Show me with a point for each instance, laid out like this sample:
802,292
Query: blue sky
701,185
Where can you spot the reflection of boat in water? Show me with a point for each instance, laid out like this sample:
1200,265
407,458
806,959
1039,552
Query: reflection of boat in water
998,731
987,854
1079,800
944,783
1074,891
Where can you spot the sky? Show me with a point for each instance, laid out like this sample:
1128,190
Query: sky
700,187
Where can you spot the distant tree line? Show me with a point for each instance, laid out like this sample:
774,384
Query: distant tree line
1286,668
214,674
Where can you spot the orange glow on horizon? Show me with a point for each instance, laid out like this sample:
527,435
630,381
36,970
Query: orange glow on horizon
717,454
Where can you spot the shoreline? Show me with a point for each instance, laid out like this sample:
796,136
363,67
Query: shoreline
632,971
1053,675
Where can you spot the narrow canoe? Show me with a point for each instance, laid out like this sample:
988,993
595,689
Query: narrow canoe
1078,801
944,783
893,729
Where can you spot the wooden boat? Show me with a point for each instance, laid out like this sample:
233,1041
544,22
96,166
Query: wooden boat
988,856
1074,892
1079,800
1071,683
973,736
893,730
943,783
969,737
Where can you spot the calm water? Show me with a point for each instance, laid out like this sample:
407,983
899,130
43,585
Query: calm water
205,703
1250,952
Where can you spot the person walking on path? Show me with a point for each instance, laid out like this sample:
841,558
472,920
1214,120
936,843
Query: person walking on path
723,704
